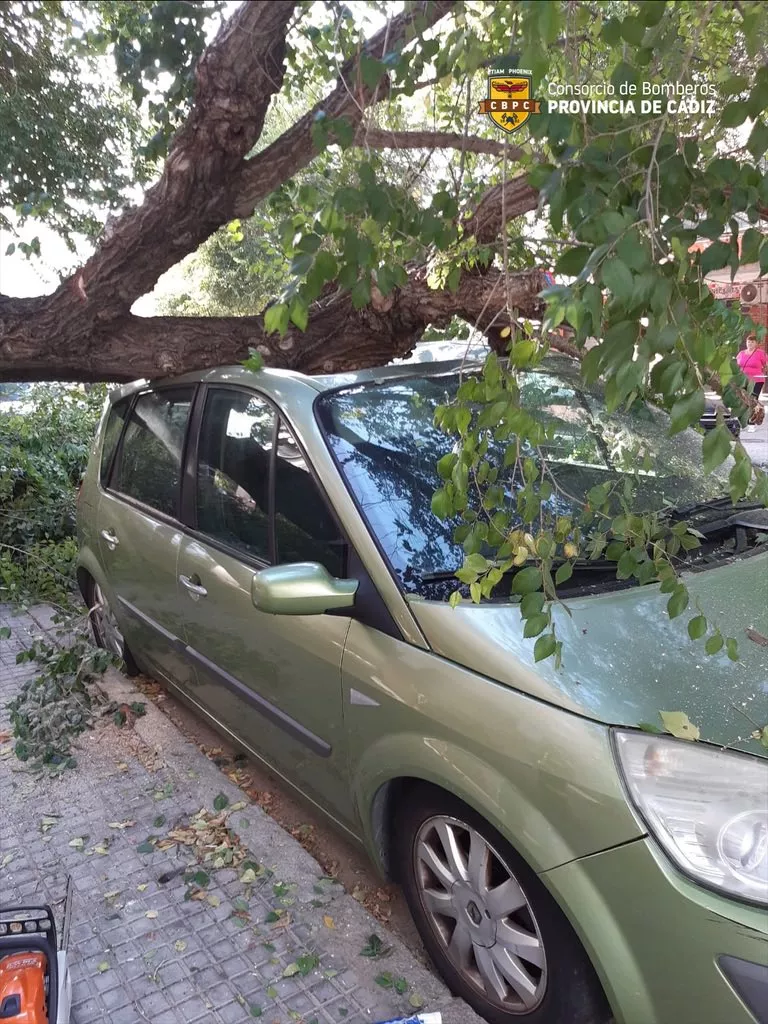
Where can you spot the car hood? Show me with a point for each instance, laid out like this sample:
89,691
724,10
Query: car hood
624,660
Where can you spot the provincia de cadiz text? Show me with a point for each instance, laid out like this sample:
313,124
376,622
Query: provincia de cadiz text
631,98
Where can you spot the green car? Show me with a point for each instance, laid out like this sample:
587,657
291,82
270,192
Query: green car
264,543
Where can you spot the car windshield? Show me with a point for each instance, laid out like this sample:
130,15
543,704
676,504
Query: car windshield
387,447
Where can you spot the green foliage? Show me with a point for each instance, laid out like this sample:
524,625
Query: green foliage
44,448
509,524
90,93
59,703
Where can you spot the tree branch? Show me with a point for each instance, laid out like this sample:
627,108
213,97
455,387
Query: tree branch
499,205
377,138
295,148
337,337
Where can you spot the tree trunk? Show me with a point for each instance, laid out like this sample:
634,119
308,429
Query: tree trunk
338,337
84,330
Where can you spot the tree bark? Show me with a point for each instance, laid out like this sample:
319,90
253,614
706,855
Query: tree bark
377,138
338,337
206,182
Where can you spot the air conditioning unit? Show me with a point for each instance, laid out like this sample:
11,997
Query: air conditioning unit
755,293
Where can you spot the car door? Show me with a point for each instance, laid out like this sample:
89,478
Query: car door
272,680
140,534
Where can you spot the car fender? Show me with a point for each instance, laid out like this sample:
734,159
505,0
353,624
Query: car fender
88,565
408,756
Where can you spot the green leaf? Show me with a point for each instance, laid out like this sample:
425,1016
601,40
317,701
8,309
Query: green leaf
325,265
716,447
220,802
371,70
544,647
573,260
738,479
526,580
678,723
441,504
535,625
697,627
757,143
617,278
361,293
732,648
651,11
548,19
276,318
633,30
715,256
714,643
564,572
254,362
255,1010
531,604
678,602
733,114
686,411
299,312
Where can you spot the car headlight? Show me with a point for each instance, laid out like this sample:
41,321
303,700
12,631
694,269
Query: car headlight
708,808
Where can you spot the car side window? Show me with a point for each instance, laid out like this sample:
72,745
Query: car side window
148,466
232,490
112,432
305,530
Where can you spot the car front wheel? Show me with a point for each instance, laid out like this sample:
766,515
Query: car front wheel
489,924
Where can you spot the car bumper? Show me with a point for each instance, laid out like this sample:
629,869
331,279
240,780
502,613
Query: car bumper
667,951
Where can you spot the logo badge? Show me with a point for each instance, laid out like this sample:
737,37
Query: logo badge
510,99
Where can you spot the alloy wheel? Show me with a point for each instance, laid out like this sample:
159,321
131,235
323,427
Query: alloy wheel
105,627
480,914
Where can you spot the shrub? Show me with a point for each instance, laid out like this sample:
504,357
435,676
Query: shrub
44,446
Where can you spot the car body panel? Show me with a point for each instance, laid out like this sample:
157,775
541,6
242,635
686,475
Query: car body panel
141,570
546,780
292,662
651,932
624,660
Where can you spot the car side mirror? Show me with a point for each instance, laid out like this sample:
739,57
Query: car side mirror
301,588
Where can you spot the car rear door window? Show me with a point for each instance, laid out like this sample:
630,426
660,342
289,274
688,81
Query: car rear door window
148,466
305,530
112,432
232,489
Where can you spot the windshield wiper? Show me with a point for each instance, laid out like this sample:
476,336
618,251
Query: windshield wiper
711,505
598,565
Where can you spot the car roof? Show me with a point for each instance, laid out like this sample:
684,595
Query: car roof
277,381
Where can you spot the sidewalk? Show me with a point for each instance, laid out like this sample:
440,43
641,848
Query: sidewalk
269,938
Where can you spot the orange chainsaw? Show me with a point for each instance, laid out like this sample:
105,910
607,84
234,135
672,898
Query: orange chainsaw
35,984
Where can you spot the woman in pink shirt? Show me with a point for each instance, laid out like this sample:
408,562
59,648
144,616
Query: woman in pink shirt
752,363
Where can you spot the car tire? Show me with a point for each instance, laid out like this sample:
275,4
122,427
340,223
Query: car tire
550,979
106,632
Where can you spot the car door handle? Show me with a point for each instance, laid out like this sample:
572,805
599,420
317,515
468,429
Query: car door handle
195,589
111,539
